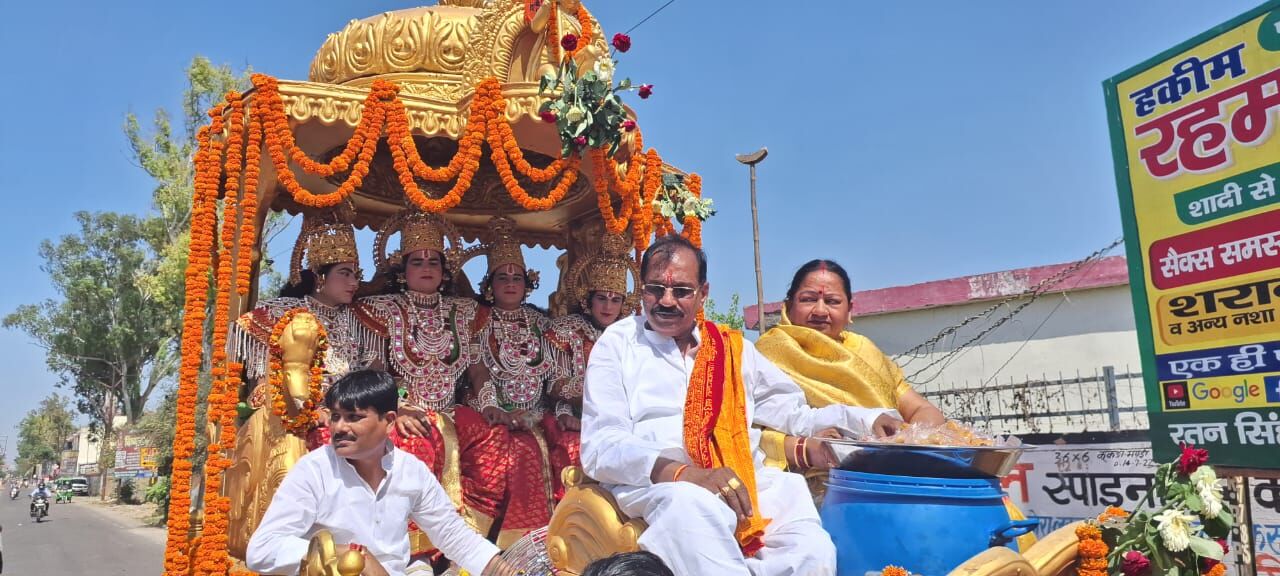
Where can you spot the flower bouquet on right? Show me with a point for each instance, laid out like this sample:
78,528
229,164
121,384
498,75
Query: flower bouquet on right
1186,536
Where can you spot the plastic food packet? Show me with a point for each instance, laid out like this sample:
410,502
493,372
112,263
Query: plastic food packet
951,433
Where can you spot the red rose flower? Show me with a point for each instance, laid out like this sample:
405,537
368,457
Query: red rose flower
621,42
1191,459
569,42
1135,563
580,140
548,116
628,125
1226,549
646,90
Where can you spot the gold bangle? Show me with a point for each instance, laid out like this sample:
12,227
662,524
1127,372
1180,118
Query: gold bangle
676,477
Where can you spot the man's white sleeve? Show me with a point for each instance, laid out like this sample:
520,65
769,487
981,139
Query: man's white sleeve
436,515
781,405
611,452
279,543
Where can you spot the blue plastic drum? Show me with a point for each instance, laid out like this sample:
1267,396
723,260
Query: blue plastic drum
927,525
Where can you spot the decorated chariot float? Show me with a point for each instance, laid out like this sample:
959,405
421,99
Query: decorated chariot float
475,127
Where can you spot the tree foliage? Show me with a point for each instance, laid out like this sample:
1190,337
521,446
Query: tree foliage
731,317
108,340
43,432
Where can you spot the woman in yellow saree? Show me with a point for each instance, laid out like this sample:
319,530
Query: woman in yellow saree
831,364
835,366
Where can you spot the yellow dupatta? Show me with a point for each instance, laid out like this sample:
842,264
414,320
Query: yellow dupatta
852,372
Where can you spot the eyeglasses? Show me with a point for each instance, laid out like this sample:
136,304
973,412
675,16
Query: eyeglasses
657,291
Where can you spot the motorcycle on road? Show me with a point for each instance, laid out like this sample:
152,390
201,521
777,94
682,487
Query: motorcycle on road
39,508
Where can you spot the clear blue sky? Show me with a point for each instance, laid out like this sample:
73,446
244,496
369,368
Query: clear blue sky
908,140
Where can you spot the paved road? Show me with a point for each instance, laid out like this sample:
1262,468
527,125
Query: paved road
77,539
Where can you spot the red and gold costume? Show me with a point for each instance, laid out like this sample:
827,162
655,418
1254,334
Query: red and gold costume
518,364
573,335
428,344
265,449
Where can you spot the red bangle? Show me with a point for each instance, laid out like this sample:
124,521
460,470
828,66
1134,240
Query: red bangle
676,477
799,453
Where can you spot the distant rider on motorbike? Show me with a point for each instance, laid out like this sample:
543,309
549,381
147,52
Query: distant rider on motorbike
40,492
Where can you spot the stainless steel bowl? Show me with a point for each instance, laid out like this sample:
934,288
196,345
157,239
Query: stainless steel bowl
925,461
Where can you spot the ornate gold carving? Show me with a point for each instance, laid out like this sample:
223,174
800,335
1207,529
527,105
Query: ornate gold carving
324,559
587,525
431,39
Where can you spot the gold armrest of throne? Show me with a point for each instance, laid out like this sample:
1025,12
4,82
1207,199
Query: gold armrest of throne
324,559
588,525
1055,555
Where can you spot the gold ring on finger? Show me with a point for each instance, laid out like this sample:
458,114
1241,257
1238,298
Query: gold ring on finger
726,490
734,484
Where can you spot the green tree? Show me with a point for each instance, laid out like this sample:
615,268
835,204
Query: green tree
42,433
108,340
731,317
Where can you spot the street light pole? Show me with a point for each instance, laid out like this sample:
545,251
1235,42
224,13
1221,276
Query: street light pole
751,160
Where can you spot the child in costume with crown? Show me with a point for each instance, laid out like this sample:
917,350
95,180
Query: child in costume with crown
283,335
516,364
597,283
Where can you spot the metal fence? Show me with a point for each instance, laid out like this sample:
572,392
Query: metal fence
1103,400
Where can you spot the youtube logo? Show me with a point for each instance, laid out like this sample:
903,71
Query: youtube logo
1175,396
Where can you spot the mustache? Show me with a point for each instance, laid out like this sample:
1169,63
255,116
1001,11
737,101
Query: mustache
669,310
341,437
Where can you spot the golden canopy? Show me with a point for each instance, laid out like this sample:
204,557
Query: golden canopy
437,55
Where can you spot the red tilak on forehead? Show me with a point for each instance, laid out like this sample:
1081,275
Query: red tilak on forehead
668,278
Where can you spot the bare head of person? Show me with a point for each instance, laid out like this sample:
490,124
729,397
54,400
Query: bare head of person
820,297
673,273
362,409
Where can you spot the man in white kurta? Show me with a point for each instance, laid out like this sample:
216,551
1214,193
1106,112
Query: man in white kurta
632,437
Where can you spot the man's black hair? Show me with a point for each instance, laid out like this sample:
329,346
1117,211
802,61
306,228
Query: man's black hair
629,564
363,390
661,250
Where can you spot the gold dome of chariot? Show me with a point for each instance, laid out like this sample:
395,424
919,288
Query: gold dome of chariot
437,55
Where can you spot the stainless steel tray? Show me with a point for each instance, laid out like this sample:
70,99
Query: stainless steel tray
925,461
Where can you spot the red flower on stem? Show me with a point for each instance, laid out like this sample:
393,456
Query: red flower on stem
646,90
569,42
580,140
1191,459
548,116
621,42
628,125
1135,563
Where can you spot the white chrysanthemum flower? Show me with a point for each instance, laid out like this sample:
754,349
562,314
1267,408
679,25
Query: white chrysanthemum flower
1175,529
604,70
1211,500
1203,477
575,114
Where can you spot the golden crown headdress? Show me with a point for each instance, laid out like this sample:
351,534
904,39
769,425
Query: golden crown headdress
606,270
418,231
326,238
504,247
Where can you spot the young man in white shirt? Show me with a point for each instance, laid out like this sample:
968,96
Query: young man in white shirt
364,491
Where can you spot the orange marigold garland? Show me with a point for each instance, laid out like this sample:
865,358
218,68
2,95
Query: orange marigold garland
297,424
1092,551
212,552
892,570
585,30
249,205
269,106
203,226
692,225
